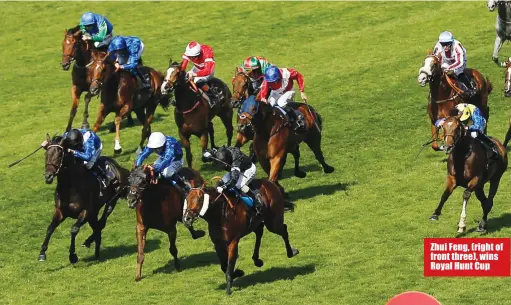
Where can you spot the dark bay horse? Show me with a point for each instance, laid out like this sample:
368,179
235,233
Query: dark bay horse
468,166
159,206
192,114
444,94
78,194
119,94
228,221
74,49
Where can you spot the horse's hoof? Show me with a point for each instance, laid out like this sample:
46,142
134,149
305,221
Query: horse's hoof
433,217
87,244
138,278
300,174
294,252
286,195
228,290
328,169
117,151
177,265
73,258
461,230
238,273
204,160
85,126
258,263
198,234
481,230
42,257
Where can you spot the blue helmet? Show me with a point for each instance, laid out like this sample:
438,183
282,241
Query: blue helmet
118,43
272,74
88,19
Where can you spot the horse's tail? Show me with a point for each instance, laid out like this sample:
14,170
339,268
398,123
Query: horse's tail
317,117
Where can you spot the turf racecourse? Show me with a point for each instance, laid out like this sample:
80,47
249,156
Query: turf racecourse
359,230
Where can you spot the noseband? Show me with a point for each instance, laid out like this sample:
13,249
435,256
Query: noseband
61,159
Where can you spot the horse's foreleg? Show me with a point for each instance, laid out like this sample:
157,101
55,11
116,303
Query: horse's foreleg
185,141
259,235
496,48
75,93
232,256
141,238
124,110
102,112
211,132
74,231
101,223
508,135
221,253
204,142
146,130
226,118
276,165
466,196
314,143
450,186
56,220
85,123
434,137
296,154
173,249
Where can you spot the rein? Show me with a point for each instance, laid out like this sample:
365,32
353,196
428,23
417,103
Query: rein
61,159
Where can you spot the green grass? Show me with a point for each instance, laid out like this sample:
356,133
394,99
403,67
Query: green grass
359,230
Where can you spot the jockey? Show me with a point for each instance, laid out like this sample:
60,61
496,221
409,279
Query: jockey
86,146
241,171
474,121
96,28
127,51
280,82
454,58
203,69
255,67
170,156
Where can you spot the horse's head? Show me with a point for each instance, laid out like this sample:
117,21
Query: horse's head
492,4
138,181
452,130
54,157
70,46
171,78
430,70
507,77
246,112
101,69
240,87
196,205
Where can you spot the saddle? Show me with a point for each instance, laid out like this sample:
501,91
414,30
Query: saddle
459,86
293,116
210,91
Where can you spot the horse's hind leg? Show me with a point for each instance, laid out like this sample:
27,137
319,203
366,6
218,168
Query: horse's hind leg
496,48
314,143
56,220
146,131
259,234
185,141
296,154
488,204
75,93
85,123
211,132
277,226
173,249
508,134
142,118
434,137
226,118
74,231
450,186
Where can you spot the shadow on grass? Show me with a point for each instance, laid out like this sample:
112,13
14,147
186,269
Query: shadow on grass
110,127
271,275
122,250
329,189
499,223
290,172
190,262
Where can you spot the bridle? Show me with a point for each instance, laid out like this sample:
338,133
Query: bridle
61,159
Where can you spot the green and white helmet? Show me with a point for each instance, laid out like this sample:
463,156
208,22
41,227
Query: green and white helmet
251,63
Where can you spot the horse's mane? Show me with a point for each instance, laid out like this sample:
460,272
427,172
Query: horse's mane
73,30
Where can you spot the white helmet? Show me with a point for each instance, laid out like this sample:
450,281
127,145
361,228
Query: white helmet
156,140
445,37
193,49
461,107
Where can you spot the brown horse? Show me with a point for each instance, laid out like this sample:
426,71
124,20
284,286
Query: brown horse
78,194
79,51
159,206
468,166
192,114
445,94
119,94
507,93
228,225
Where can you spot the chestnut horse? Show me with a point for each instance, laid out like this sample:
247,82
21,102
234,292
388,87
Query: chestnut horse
79,51
78,194
444,94
119,94
159,206
507,93
228,221
468,166
192,114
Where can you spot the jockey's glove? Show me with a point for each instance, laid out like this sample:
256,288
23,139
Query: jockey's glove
219,189
473,134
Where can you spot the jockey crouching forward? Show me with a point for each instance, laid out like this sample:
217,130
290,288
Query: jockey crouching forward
241,172
454,59
203,69
170,158
279,83
96,28
127,52
255,67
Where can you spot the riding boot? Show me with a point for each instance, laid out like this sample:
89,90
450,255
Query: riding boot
258,200
179,184
295,118
144,78
209,91
489,145
470,86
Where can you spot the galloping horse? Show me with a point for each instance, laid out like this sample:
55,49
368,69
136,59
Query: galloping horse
228,221
78,194
274,138
119,94
79,51
192,114
241,90
468,166
502,25
159,206
444,94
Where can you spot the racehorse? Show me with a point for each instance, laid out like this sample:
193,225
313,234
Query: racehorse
159,206
468,166
507,93
445,94
228,221
192,113
79,51
79,194
502,25
119,94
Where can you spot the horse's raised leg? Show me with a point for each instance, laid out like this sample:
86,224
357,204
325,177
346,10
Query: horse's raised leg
314,143
277,226
226,118
211,132
484,205
185,141
97,228
141,238
450,186
259,234
296,154
74,231
173,249
85,123
487,207
496,48
434,137
75,94
56,220
102,113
